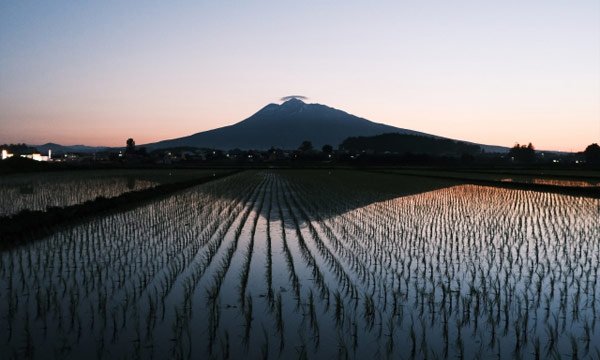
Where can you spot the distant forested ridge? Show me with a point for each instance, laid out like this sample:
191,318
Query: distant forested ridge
404,143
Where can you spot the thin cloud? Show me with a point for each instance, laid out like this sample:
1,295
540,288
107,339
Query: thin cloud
299,97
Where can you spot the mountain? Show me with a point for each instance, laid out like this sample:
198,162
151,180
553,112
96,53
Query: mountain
61,149
286,126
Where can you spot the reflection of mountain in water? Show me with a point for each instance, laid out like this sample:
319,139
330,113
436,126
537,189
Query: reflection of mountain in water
336,192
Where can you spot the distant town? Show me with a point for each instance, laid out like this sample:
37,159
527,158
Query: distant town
386,149
33,156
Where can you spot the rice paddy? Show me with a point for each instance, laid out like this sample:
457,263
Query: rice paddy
40,191
314,264
555,182
574,179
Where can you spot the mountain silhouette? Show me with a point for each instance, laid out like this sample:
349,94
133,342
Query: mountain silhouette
286,126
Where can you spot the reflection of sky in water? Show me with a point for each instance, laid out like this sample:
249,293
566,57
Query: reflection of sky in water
39,191
291,264
555,182
40,194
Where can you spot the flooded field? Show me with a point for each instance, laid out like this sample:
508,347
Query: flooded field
554,182
572,179
40,191
314,264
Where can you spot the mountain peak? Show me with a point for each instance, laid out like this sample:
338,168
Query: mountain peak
292,105
293,101
285,126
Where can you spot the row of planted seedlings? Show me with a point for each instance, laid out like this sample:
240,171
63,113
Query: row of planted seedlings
40,193
344,303
486,266
152,280
246,312
209,291
304,272
188,266
104,274
301,290
357,320
242,308
301,264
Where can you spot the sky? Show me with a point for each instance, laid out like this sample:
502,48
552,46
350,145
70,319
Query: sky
492,72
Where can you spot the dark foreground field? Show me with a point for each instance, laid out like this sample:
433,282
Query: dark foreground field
314,264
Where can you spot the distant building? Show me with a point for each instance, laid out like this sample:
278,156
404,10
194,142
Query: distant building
6,154
39,157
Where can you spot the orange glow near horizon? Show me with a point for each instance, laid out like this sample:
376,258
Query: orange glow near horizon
557,132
